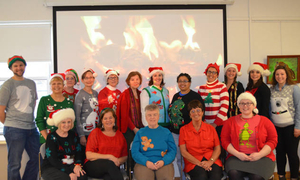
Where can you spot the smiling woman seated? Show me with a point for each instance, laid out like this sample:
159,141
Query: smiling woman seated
153,149
64,154
106,148
250,140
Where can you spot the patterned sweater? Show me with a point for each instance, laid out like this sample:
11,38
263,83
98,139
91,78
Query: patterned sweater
86,111
71,96
285,106
46,106
108,98
63,152
216,99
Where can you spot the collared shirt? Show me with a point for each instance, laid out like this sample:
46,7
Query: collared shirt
199,144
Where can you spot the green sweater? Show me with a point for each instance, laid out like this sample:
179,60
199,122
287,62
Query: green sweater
46,106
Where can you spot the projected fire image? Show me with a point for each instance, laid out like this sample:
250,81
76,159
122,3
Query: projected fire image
177,42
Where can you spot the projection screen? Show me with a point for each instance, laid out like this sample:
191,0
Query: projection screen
179,38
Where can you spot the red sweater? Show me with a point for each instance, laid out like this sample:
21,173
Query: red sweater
123,111
102,144
108,98
265,135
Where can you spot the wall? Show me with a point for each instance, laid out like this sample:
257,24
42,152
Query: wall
255,29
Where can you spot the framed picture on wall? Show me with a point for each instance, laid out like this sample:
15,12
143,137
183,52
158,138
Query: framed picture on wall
292,61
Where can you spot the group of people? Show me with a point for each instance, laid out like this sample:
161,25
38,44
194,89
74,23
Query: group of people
91,134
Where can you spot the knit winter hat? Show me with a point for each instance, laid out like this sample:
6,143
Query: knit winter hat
262,68
73,73
59,115
236,66
15,58
110,72
60,75
92,71
153,70
249,96
217,67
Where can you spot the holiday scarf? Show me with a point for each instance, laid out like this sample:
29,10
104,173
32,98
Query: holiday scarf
135,109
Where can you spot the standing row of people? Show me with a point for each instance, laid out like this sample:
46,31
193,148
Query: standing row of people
220,101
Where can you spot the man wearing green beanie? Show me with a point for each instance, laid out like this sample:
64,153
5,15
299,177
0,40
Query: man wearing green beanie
17,102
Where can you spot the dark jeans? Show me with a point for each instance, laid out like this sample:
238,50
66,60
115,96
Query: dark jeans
287,145
52,173
198,173
16,141
103,168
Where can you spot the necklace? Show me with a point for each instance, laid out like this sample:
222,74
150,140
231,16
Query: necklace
245,120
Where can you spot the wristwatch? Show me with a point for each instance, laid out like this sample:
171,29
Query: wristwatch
211,159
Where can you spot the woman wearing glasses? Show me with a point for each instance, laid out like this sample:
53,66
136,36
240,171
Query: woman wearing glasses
215,97
86,106
108,96
200,146
178,111
250,140
71,79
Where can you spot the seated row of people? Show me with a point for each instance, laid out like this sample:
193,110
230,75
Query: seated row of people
248,138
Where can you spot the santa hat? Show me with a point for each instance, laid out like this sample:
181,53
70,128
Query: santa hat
92,71
262,68
60,75
249,96
14,59
236,66
217,67
73,73
153,70
110,72
59,115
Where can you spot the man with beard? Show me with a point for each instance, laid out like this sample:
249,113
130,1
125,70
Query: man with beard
17,101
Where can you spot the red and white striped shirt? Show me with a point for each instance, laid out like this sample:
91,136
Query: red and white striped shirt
215,96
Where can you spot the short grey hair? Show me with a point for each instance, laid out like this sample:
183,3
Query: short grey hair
151,107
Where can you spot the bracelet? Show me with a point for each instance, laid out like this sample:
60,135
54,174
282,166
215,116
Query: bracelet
78,164
212,159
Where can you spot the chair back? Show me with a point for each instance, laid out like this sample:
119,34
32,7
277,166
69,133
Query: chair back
43,150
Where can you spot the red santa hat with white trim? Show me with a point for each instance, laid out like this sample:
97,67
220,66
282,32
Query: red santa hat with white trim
59,115
262,68
59,75
236,66
92,71
110,72
153,70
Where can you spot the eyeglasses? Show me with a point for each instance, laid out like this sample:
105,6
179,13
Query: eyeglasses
87,78
112,78
245,104
182,82
212,72
196,111
70,79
